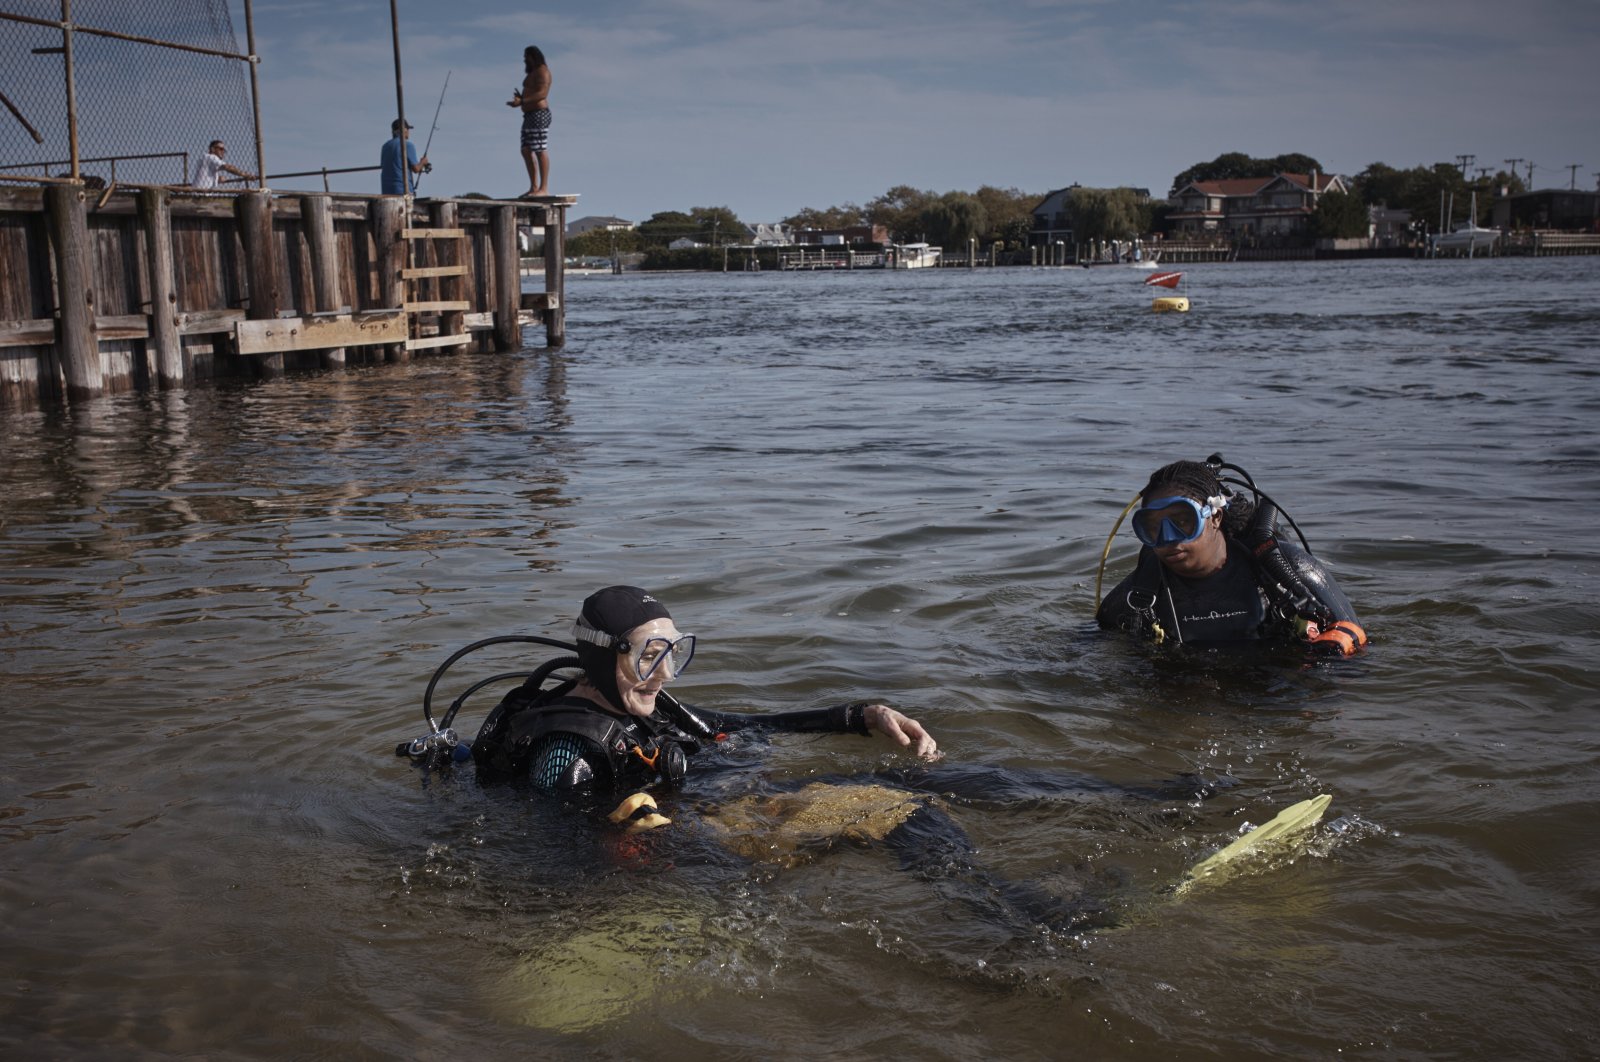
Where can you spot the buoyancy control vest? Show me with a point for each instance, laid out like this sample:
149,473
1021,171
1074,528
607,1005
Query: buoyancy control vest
560,742
1227,606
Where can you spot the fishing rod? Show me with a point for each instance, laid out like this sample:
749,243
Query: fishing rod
429,167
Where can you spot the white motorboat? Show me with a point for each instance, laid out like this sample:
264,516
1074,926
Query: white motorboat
915,256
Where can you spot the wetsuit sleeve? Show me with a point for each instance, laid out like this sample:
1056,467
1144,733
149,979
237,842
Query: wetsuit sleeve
1307,580
840,719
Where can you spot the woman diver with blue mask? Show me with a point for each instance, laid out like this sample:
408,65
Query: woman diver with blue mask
1214,569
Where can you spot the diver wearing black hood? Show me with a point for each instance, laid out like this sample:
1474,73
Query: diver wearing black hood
616,729
1214,568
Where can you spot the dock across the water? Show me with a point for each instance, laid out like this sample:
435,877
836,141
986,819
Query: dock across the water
107,290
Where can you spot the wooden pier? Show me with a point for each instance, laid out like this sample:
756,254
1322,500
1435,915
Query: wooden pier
108,290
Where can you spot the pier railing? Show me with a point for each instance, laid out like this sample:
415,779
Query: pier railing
181,175
1544,242
819,258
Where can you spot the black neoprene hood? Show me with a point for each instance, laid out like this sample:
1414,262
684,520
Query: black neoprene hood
616,610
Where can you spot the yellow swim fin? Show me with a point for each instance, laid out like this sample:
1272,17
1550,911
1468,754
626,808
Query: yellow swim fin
1280,831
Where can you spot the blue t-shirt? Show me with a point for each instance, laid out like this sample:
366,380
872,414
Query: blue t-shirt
394,174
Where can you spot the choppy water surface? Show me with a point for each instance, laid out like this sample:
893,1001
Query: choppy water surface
220,608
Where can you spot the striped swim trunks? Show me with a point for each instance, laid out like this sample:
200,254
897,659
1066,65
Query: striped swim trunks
535,129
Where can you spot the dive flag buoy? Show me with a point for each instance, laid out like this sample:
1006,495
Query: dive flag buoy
1167,303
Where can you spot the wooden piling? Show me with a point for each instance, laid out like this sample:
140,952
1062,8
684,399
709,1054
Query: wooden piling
316,219
555,276
254,213
75,301
155,214
388,218
451,322
507,297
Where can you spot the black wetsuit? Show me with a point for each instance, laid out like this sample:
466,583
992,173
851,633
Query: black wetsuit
566,746
1241,602
559,743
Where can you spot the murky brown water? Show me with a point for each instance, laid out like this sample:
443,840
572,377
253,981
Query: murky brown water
218,610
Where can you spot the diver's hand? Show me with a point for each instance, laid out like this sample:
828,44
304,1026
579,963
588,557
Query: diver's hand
901,729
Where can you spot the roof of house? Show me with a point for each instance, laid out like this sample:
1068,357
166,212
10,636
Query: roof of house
1066,193
1232,186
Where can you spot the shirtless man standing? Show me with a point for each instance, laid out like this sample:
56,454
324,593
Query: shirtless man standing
533,98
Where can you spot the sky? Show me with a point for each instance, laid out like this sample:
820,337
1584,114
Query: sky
769,106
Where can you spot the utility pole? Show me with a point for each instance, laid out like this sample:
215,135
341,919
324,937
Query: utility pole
1572,182
400,100
1530,175
1511,164
1464,161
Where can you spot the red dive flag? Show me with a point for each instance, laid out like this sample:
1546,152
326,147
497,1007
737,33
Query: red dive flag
1166,280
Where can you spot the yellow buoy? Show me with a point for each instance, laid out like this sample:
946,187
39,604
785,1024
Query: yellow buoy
1171,304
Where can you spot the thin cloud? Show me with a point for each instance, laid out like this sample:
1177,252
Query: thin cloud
768,107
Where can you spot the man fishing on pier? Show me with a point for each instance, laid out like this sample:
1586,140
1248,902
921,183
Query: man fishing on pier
393,172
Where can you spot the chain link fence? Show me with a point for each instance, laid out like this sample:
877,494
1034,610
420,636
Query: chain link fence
143,110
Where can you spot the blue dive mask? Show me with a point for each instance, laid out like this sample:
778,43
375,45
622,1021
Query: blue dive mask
1173,521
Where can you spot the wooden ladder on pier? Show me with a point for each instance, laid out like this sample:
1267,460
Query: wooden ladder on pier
450,305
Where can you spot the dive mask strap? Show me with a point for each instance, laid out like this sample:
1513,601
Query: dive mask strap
582,632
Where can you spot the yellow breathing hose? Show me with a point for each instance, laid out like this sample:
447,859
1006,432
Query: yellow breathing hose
1099,576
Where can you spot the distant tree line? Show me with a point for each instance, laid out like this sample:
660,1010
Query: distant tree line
1004,216
949,219
908,215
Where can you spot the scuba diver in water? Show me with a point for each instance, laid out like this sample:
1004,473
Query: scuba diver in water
614,729
1214,569
609,740
605,740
